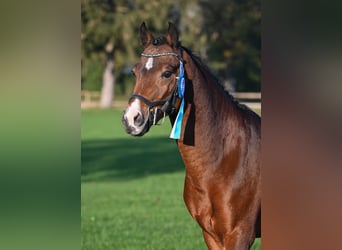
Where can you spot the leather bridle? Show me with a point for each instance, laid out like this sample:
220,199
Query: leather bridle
168,104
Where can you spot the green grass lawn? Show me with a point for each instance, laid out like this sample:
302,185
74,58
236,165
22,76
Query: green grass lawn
132,188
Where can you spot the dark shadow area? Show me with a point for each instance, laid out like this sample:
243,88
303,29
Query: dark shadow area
122,159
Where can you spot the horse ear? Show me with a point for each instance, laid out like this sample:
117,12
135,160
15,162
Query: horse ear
172,35
145,36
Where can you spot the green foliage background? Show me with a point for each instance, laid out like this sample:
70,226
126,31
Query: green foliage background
226,34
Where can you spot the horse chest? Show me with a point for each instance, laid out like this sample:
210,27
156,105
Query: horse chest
197,200
207,203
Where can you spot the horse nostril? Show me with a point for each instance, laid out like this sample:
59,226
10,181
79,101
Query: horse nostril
124,119
138,120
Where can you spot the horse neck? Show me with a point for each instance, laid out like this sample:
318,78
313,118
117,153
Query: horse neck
206,114
211,102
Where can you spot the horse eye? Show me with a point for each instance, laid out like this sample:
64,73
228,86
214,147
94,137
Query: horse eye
167,74
132,72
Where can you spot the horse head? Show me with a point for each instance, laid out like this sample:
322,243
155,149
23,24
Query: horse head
155,91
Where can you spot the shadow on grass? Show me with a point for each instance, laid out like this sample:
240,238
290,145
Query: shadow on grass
122,159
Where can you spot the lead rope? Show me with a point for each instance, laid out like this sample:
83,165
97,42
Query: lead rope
162,122
155,116
155,112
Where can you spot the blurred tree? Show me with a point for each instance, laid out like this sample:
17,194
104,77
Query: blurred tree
115,23
225,33
233,31
108,80
97,18
191,27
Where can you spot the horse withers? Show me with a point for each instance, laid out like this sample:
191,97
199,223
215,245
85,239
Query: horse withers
218,138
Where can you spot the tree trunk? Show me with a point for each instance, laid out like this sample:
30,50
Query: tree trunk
108,80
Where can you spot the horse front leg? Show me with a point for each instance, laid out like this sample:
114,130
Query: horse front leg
230,242
235,241
211,242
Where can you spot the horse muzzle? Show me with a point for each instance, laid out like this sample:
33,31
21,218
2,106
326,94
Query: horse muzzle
139,127
135,122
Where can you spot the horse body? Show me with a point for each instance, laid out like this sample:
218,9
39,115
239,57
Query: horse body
219,142
222,183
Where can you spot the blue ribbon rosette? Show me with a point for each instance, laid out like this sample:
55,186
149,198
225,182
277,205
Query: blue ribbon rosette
177,126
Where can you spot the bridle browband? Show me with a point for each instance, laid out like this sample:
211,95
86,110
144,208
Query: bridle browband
162,54
168,104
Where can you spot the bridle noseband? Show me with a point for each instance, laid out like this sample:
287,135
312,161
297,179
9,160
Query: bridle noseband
168,104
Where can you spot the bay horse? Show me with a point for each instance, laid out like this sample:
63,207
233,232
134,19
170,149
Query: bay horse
218,138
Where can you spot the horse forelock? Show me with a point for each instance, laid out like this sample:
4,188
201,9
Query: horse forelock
160,40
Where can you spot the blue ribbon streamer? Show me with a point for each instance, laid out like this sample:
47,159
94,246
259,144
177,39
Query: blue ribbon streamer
177,126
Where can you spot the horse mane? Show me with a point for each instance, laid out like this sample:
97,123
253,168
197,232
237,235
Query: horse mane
206,71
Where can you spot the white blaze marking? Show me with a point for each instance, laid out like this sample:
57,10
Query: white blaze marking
132,111
149,63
